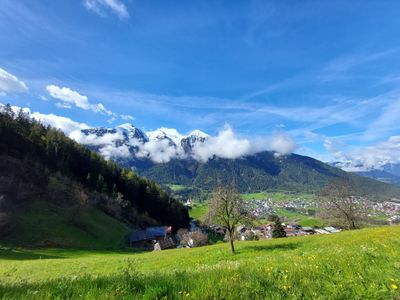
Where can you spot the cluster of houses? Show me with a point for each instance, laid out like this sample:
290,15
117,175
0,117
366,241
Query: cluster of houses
160,238
263,207
152,238
265,231
389,208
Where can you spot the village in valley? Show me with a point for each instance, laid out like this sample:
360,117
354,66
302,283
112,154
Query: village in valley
264,212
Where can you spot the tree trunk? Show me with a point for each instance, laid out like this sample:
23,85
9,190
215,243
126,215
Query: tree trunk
353,224
231,242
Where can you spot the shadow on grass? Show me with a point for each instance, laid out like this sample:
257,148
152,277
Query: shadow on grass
286,246
58,253
14,254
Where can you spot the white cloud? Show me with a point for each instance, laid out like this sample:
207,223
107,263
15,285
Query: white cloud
225,145
63,105
106,139
366,158
127,117
111,151
69,97
387,121
111,120
10,83
160,151
100,7
66,125
282,143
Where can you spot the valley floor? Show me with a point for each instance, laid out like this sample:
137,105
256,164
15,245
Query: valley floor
363,264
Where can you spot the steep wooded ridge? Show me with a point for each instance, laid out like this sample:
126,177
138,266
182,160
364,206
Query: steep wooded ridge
264,171
56,192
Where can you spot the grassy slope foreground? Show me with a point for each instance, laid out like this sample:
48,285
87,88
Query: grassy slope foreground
362,264
43,224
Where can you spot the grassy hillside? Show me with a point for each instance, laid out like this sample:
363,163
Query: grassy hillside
42,224
360,264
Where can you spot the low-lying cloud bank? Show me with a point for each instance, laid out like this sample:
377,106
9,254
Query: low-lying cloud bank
226,144
165,144
367,158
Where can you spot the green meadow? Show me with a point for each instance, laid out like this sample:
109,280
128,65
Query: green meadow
362,264
198,211
277,196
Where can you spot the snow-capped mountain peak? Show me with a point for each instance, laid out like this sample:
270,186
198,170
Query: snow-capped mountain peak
165,133
199,134
133,142
131,132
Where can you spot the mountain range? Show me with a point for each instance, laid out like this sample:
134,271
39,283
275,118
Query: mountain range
170,158
389,173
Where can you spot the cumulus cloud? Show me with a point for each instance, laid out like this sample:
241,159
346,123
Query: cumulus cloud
10,83
107,139
101,7
66,125
160,151
70,97
110,151
228,145
282,143
225,145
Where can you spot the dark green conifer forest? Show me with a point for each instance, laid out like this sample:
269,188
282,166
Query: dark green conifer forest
44,153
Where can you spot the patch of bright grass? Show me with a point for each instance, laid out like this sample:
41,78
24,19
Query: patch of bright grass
277,196
293,216
177,187
361,264
198,211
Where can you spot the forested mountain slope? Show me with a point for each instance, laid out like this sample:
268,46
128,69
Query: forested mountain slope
264,171
55,191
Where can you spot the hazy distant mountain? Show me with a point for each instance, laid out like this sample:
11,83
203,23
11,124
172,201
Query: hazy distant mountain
389,173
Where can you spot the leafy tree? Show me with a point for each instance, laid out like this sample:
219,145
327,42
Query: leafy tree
278,231
226,208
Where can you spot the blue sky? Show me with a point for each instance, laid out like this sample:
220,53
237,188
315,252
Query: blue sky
326,72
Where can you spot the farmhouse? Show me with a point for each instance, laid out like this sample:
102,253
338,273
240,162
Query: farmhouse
166,243
307,230
146,237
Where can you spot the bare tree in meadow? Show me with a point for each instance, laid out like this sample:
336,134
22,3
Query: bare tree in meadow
226,208
338,201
